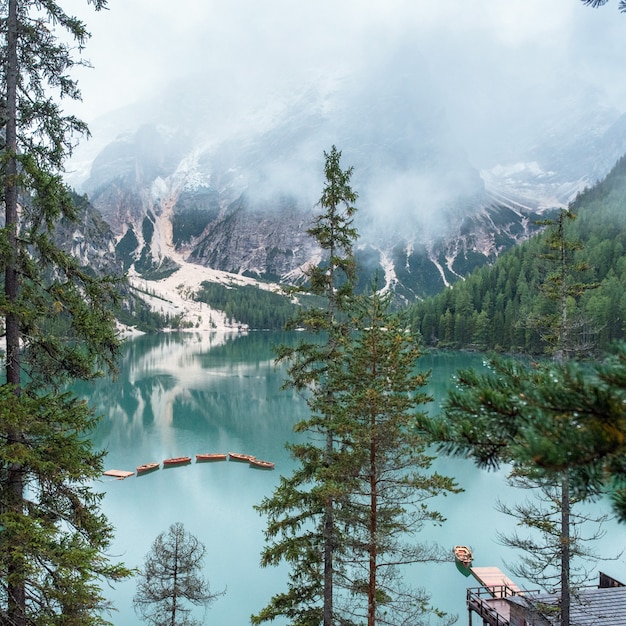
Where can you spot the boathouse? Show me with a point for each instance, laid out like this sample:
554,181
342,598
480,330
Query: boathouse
499,602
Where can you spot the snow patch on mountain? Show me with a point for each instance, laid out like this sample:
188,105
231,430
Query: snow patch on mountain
175,295
391,278
530,186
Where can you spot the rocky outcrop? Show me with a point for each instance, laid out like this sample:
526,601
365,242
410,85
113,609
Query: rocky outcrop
181,189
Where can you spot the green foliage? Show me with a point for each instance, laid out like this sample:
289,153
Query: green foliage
556,417
135,313
598,3
147,227
129,252
301,527
63,537
335,234
385,466
150,269
193,211
247,304
191,223
499,307
126,248
58,327
538,534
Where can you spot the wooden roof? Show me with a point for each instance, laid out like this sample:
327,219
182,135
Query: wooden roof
594,606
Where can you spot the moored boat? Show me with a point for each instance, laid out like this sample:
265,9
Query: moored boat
147,467
261,464
210,457
119,474
177,460
463,555
235,456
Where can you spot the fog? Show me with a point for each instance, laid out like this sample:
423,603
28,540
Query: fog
499,66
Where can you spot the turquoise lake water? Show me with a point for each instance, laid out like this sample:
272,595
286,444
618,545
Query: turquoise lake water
183,394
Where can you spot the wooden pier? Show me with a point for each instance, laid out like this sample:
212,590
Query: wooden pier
488,601
493,577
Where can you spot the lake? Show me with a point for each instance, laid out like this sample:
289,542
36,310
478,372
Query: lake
183,394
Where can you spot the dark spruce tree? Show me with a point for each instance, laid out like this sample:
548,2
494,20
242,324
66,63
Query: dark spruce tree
388,479
57,327
501,416
301,527
598,3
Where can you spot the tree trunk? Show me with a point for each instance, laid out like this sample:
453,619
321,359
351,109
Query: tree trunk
16,589
329,533
175,580
373,539
565,552
329,517
10,199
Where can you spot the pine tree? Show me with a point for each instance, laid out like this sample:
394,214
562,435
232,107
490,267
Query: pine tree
539,533
598,3
562,328
388,480
172,578
301,512
516,414
54,537
497,417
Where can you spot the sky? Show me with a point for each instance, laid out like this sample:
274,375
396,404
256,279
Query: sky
496,62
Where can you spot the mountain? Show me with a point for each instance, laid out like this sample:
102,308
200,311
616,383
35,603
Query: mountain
503,307
191,185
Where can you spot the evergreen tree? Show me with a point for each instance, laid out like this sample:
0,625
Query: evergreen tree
508,415
301,512
172,578
562,326
561,287
598,3
539,534
508,409
53,538
340,520
388,480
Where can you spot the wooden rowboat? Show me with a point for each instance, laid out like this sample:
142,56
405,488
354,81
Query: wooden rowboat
463,555
261,464
210,457
177,460
147,467
119,474
235,456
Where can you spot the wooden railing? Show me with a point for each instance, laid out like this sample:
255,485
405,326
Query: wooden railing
480,606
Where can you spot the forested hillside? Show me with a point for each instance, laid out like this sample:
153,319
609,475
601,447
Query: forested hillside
493,308
257,308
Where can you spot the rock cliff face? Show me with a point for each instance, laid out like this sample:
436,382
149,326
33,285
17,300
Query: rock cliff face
90,240
242,202
199,211
270,244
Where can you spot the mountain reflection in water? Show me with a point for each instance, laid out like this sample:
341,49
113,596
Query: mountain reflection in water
184,394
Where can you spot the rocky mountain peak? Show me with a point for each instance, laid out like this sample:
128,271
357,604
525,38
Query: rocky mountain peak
182,190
